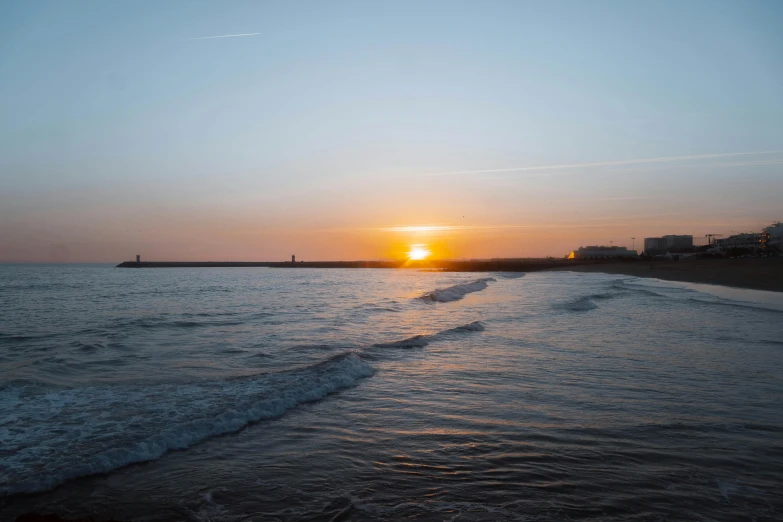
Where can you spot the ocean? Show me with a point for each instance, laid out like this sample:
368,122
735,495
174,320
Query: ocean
304,394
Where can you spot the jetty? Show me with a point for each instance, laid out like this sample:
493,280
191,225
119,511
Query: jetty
476,265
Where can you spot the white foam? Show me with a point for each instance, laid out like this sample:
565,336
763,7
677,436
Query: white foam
453,293
52,437
710,293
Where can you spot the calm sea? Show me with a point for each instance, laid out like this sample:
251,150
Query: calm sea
299,394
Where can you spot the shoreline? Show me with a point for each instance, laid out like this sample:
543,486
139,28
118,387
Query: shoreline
748,273
477,265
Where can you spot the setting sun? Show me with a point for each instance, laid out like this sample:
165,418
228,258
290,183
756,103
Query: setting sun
418,252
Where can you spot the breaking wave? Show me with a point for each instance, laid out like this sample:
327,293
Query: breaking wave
456,292
123,426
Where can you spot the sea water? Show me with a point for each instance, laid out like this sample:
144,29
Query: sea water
290,394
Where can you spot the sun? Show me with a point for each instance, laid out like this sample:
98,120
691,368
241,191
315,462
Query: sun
418,252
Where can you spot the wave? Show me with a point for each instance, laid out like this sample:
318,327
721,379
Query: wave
88,347
312,347
511,275
733,304
161,322
604,295
8,338
389,306
417,341
582,304
96,429
420,341
620,286
122,426
456,292
588,302
475,326
695,296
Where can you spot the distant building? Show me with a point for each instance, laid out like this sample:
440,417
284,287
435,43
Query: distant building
138,258
772,238
750,241
654,244
661,245
293,259
678,241
602,252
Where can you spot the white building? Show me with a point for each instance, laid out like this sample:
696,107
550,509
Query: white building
602,252
674,241
666,243
772,237
654,244
751,241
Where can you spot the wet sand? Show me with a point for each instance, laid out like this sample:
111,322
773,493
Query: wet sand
753,273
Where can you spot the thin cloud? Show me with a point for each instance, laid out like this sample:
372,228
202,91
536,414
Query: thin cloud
421,228
601,163
622,198
696,165
646,169
459,228
222,36
664,214
624,221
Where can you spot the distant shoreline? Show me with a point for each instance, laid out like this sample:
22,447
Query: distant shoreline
750,273
489,265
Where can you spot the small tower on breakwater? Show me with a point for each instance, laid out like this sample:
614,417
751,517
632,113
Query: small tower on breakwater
138,258
293,259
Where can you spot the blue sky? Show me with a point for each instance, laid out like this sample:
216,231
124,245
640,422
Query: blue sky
324,128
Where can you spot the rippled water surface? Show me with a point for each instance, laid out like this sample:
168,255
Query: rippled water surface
290,394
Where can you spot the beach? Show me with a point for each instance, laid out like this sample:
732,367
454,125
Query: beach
753,273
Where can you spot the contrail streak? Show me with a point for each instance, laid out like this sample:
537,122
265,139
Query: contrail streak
602,163
624,198
222,36
696,165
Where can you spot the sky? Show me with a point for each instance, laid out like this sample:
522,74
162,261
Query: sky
339,130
